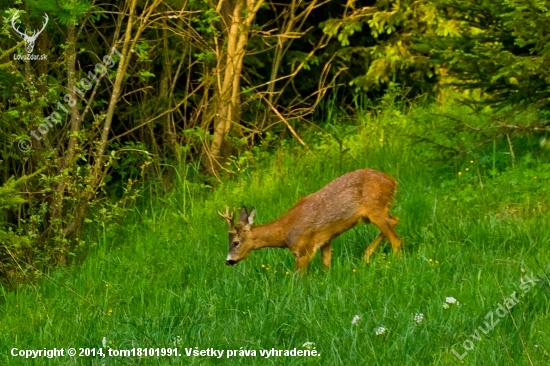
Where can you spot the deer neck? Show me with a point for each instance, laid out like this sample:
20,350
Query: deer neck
270,235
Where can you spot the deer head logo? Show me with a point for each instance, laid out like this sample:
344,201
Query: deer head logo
29,39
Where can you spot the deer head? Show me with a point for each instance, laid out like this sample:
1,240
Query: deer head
238,248
29,39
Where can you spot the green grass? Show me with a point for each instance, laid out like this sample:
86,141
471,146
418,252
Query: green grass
159,280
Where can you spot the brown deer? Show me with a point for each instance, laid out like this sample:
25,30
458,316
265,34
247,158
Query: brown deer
363,195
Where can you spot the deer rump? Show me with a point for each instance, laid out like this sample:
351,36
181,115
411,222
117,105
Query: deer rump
340,205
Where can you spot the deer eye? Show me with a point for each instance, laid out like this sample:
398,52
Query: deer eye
236,243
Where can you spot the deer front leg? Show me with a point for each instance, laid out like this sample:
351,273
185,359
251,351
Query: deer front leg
304,252
301,263
326,254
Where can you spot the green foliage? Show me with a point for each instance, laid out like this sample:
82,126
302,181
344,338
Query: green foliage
208,57
502,49
142,50
9,195
395,26
65,11
13,241
206,22
159,279
497,47
295,58
129,161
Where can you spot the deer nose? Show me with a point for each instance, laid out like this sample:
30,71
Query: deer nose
230,262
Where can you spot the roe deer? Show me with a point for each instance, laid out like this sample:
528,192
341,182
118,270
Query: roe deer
363,195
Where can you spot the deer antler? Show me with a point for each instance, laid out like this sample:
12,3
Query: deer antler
230,219
13,19
45,23
35,34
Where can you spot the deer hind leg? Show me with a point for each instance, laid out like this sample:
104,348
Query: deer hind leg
393,221
372,247
326,254
385,225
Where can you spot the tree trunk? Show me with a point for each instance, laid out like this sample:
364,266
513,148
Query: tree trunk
238,16
75,122
165,97
99,172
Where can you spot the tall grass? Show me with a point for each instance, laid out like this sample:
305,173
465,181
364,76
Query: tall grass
159,280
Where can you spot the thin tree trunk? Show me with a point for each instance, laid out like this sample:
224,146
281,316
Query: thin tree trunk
164,96
123,63
98,172
227,103
75,122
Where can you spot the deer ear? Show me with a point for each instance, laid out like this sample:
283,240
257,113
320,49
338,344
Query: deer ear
244,215
251,216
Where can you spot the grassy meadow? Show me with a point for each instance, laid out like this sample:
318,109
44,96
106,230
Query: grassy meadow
473,227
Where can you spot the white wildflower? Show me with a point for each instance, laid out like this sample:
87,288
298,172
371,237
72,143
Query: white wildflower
446,306
308,345
450,300
177,341
418,317
104,342
380,330
355,319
